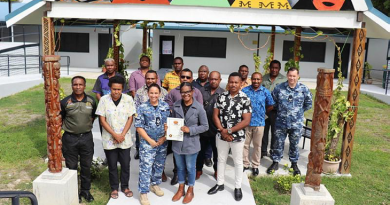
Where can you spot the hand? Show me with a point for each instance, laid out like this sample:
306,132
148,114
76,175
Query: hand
185,129
153,143
161,141
165,127
118,138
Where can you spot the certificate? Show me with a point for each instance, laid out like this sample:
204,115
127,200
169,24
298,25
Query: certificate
174,129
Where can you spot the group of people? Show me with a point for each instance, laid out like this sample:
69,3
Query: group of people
217,121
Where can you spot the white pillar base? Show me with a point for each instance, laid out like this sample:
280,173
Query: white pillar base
59,188
301,195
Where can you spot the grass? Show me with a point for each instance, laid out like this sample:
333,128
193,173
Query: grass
370,167
23,150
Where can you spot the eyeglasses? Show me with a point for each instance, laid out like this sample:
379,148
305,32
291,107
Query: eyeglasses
183,77
185,92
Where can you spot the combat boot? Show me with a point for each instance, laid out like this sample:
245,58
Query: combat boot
295,168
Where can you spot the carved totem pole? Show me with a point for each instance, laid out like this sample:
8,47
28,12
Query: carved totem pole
322,103
51,74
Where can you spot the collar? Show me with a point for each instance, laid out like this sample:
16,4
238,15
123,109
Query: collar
261,88
74,99
218,90
174,73
105,76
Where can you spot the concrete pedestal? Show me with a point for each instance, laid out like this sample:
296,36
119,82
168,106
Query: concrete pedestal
59,188
301,195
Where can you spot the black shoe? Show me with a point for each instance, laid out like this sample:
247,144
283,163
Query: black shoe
175,179
245,168
87,196
255,171
237,194
296,171
274,166
80,199
136,155
105,162
215,189
263,154
208,162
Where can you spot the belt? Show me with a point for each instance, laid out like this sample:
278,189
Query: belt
78,135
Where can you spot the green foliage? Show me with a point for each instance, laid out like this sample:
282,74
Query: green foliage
257,60
97,168
340,113
144,24
367,70
292,62
382,5
284,183
267,61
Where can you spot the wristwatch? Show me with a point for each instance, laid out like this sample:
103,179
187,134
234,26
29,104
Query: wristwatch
229,131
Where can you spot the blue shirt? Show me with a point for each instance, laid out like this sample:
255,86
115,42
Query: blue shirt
152,119
290,105
260,98
101,85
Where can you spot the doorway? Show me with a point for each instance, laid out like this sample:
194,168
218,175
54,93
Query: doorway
104,44
344,59
167,52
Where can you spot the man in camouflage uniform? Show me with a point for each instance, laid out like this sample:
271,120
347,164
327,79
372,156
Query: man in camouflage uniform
292,99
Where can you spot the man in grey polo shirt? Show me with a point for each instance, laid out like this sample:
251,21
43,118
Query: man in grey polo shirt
78,114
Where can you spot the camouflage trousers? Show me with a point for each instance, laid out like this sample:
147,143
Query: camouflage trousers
293,135
151,165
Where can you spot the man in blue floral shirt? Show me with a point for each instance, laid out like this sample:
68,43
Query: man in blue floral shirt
292,99
261,99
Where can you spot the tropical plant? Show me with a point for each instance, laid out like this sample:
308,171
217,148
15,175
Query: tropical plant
284,183
367,70
267,61
340,113
257,60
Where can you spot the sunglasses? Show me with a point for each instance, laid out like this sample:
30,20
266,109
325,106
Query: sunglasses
185,92
183,77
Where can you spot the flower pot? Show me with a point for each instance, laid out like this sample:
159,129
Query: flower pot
330,167
369,81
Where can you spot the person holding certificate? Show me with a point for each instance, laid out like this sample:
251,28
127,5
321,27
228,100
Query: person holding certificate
186,151
151,125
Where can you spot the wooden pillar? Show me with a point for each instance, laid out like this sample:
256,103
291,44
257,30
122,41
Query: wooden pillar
297,43
47,36
322,104
272,48
116,47
355,78
51,73
144,39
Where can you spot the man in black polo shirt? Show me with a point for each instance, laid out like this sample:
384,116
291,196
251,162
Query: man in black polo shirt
78,114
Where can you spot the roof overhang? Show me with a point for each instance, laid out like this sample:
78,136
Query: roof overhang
198,14
30,13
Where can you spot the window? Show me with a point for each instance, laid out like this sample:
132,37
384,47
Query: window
312,51
73,42
205,47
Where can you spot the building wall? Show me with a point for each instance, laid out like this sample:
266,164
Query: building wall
237,54
131,39
377,51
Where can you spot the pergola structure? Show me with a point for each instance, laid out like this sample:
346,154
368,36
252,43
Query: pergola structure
315,15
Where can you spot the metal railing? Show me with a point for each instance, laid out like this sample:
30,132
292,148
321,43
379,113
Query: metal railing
27,64
384,82
16,195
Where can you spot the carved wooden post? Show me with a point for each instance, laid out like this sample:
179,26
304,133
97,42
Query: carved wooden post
297,43
355,78
144,39
47,36
51,73
272,49
116,48
322,103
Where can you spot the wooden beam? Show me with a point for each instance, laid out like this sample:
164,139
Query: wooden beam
48,46
144,39
297,43
272,49
355,79
115,47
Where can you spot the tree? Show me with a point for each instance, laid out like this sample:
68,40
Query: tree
382,5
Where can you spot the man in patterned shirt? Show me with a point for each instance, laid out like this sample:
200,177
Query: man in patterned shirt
261,99
232,114
141,95
172,79
292,99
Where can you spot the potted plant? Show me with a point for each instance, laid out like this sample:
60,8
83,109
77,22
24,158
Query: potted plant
367,71
340,113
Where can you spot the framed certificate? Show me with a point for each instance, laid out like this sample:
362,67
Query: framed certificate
174,132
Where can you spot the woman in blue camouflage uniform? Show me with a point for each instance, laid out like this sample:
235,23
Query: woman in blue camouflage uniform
151,125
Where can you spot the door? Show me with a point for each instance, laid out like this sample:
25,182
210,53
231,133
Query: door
104,43
344,59
166,53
